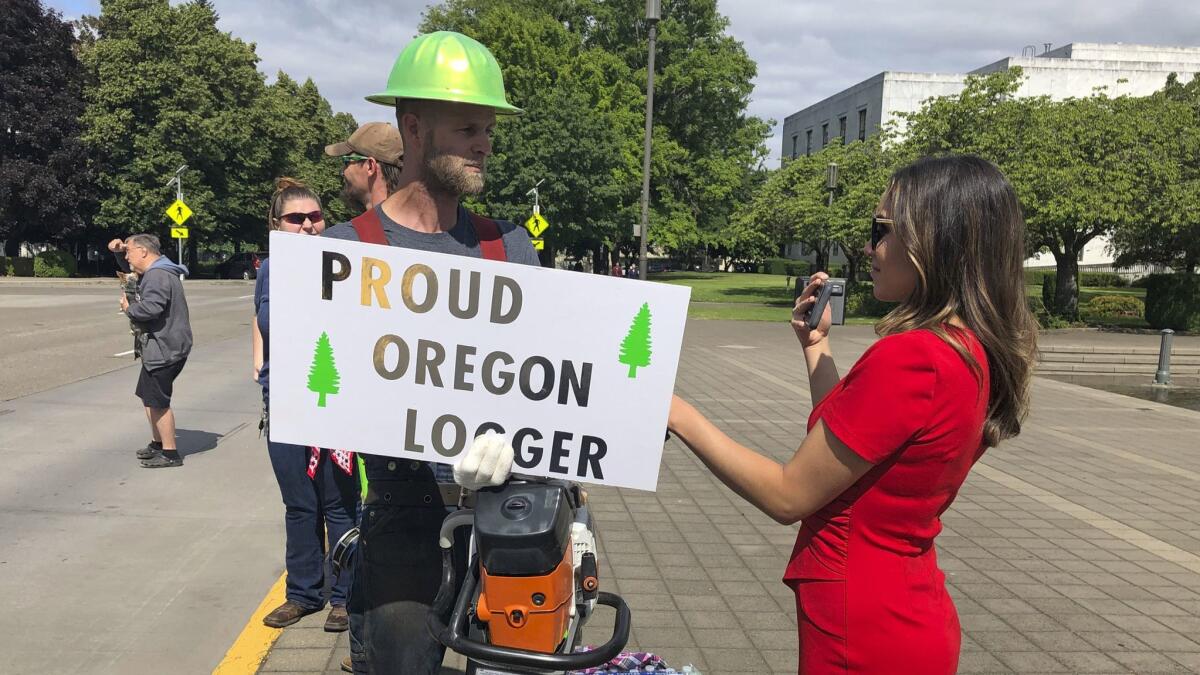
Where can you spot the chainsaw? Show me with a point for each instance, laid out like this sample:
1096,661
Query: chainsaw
531,585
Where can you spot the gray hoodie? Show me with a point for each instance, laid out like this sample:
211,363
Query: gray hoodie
162,313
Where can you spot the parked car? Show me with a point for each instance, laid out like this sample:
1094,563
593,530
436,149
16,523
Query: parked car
657,266
240,266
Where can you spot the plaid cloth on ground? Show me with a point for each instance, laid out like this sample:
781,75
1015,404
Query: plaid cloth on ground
627,662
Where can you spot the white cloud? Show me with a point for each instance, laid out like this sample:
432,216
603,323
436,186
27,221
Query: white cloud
805,50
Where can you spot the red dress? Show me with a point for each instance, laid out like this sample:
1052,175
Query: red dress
869,595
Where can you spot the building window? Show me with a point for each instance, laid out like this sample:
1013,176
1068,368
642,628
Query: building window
842,128
795,140
825,134
862,124
808,142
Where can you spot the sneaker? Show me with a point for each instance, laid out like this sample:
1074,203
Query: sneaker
162,461
287,614
151,449
347,665
338,620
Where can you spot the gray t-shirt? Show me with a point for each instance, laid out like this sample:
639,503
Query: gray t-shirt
460,240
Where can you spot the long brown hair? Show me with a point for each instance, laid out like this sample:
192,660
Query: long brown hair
961,222
287,189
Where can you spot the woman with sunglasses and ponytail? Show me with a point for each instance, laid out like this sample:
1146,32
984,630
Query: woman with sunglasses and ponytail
319,488
890,443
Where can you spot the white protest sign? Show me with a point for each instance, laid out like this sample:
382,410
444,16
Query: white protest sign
406,353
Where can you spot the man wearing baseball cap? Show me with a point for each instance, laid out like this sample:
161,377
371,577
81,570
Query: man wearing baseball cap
371,161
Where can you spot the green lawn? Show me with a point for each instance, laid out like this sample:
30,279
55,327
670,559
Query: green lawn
1086,294
767,297
731,296
758,289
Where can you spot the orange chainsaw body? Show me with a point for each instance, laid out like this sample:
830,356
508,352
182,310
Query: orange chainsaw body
509,605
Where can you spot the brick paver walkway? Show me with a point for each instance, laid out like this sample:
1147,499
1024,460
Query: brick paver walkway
1075,548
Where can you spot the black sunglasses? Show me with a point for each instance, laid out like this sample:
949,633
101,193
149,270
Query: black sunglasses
299,218
879,229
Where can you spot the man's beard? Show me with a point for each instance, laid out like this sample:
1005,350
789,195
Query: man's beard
448,173
355,199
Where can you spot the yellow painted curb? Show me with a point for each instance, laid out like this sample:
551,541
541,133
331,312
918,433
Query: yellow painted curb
254,643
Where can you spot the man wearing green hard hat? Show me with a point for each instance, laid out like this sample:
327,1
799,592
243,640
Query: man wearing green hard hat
447,90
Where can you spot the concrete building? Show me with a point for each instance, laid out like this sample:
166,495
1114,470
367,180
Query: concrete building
1074,70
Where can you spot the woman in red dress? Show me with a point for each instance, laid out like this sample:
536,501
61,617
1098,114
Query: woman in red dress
889,444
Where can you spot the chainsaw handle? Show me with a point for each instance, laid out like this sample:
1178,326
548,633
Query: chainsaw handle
451,635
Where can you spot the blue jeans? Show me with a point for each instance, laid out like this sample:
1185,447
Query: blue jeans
316,508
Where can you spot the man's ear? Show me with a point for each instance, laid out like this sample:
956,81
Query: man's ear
410,126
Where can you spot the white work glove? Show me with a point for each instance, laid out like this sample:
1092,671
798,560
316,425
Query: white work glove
487,462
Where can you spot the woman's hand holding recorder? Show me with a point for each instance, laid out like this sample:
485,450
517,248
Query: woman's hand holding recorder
812,328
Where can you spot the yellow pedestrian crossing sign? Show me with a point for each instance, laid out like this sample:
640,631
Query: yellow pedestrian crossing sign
536,225
179,212
179,233
538,244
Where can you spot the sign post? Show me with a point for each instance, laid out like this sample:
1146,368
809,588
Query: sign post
179,212
536,223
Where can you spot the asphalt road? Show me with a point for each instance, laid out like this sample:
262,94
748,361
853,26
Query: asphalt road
106,567
54,333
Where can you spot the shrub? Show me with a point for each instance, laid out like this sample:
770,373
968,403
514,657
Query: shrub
1034,277
860,301
19,267
1173,301
1049,280
1102,280
792,268
53,263
3,266
1114,306
1045,319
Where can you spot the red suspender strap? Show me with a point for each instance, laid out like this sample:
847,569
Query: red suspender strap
369,228
370,231
488,233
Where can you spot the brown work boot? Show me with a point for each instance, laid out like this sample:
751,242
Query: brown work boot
347,665
338,620
287,614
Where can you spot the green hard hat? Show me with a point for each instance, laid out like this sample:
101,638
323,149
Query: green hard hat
447,66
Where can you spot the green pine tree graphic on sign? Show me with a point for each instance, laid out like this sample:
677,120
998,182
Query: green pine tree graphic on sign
635,348
323,375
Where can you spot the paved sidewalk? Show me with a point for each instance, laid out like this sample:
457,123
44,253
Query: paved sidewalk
1075,548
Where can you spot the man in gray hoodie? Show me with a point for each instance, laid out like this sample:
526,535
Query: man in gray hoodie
161,311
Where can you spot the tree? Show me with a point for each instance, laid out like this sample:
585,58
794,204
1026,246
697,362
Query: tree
296,124
45,193
1168,189
1073,163
160,101
635,348
323,376
558,57
864,168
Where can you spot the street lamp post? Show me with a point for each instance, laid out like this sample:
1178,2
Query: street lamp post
831,179
652,17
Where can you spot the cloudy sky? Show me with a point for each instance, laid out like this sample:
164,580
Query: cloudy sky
805,50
